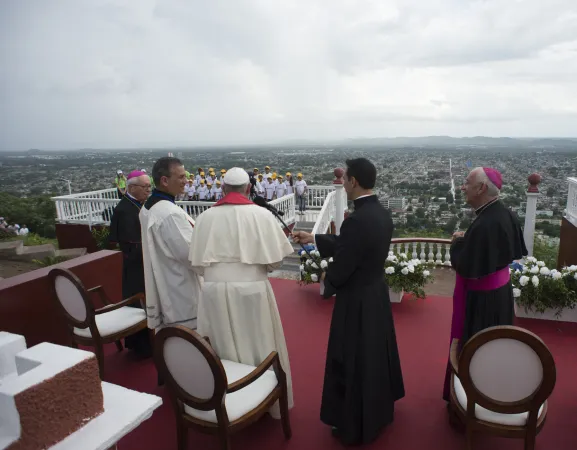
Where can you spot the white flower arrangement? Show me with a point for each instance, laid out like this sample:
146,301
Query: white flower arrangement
409,275
312,266
538,288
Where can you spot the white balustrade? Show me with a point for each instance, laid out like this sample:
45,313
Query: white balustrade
433,251
326,215
91,208
316,196
571,212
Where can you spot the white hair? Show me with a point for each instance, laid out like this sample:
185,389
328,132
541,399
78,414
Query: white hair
481,176
135,180
241,189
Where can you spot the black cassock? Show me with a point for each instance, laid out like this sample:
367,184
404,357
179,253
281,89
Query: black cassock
125,230
492,242
363,377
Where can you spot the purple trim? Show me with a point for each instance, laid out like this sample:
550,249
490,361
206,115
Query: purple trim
462,286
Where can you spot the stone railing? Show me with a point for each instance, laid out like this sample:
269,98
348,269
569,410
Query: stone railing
571,213
433,251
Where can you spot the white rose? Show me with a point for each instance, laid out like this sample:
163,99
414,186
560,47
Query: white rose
523,280
324,264
535,280
411,268
544,271
391,258
404,263
391,253
525,269
531,259
405,271
426,273
390,270
556,275
314,266
403,255
317,254
516,292
572,268
540,263
575,276
517,271
534,269
302,267
331,259
314,277
309,262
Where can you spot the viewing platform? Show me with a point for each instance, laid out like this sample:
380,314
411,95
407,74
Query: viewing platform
422,327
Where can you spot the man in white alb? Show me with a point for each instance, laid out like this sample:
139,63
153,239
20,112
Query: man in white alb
233,246
172,287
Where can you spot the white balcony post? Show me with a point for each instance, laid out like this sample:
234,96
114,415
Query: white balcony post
339,199
531,212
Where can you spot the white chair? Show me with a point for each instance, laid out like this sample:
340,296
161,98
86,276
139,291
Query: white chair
198,382
90,326
501,381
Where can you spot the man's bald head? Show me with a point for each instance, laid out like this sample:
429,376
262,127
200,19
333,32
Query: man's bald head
478,188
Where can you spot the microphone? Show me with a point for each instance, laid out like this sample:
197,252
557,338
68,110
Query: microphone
258,200
263,203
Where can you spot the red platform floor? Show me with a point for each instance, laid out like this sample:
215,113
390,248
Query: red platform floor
420,418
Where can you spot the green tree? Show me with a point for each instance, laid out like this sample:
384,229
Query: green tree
37,213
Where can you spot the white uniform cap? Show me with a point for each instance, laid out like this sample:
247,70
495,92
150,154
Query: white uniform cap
143,170
119,172
236,177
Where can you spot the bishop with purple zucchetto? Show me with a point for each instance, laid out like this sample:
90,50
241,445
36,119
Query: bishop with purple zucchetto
481,256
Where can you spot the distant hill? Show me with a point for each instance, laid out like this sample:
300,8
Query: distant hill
448,141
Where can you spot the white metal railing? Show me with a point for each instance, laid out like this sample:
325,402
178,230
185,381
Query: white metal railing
571,214
316,196
92,208
96,207
433,251
326,215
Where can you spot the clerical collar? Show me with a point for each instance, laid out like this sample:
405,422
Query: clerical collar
132,200
485,206
360,201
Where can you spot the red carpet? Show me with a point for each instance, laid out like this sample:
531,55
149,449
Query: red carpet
420,420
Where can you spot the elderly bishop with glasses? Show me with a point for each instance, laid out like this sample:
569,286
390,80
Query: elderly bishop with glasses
125,231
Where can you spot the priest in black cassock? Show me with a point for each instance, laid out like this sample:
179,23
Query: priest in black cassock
125,231
363,377
481,256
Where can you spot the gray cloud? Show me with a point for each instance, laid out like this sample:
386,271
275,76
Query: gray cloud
104,73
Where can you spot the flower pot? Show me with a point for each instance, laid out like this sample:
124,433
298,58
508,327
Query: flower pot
322,287
396,297
567,315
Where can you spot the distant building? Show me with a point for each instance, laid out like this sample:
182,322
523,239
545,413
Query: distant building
394,202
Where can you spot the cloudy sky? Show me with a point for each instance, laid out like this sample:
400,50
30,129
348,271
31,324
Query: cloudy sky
129,73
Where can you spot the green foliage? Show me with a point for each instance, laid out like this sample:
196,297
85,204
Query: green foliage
49,261
100,235
430,233
35,239
546,252
536,288
408,275
38,213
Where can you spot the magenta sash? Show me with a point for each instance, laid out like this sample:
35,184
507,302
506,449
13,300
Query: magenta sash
462,286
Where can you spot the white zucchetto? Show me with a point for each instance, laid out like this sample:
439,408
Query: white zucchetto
236,177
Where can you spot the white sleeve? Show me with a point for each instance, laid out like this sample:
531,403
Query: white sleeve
177,233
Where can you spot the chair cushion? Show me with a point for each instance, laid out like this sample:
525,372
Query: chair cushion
114,321
487,415
243,401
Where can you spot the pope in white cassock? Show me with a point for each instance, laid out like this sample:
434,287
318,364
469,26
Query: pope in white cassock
235,243
172,287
